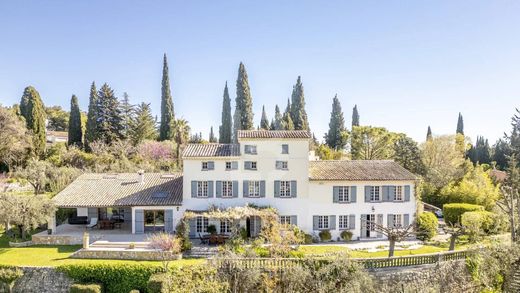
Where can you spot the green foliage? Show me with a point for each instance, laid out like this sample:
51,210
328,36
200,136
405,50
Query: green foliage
297,112
183,233
195,279
212,138
32,109
480,153
142,125
429,135
110,126
372,143
326,153
460,125
325,235
226,127
15,141
452,212
167,112
308,239
91,132
8,275
346,235
243,117
57,118
212,229
278,119
115,278
355,117
85,288
264,122
336,137
427,224
408,155
158,283
444,162
75,131
478,223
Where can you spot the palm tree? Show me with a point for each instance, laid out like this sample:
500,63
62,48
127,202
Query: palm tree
181,135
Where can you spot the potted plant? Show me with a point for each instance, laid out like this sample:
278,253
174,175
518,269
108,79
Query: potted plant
212,229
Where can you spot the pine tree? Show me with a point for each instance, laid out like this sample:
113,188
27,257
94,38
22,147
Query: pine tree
143,124
34,113
226,128
167,112
298,113
243,117
335,138
287,123
212,137
110,120
127,112
91,133
460,125
75,131
429,135
278,119
480,152
264,122
355,116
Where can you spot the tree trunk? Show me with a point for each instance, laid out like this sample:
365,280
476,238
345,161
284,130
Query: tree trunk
452,242
392,247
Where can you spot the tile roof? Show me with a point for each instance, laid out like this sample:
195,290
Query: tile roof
358,170
273,134
211,150
106,190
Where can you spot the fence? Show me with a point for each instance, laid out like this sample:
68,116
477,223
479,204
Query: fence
368,263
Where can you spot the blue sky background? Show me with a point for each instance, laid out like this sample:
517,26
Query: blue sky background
406,64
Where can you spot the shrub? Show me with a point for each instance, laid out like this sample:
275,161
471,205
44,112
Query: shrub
477,223
165,242
427,224
157,283
183,233
115,278
453,211
346,235
188,279
82,288
325,235
308,239
8,275
212,229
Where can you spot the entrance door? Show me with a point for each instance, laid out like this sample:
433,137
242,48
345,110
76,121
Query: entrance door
154,220
369,226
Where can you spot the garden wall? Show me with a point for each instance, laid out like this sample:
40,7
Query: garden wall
56,240
42,279
128,254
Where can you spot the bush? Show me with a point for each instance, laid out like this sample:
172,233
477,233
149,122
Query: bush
165,242
453,211
325,235
427,224
212,229
115,278
346,235
477,223
188,279
183,233
308,239
157,283
8,275
81,288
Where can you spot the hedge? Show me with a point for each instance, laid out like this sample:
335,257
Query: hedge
453,211
427,224
487,219
82,288
115,278
157,283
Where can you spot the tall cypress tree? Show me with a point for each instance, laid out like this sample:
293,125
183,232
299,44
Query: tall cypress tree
167,112
34,114
142,126
278,119
91,132
243,118
110,120
212,137
460,125
75,131
335,138
226,128
355,116
287,123
264,122
429,135
298,113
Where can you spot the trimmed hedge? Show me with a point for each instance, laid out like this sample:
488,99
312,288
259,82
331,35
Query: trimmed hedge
346,235
115,278
453,211
487,220
82,288
427,224
325,235
157,283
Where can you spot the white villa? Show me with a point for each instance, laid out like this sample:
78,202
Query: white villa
265,168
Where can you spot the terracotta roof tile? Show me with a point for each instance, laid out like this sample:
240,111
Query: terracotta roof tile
211,150
273,134
361,170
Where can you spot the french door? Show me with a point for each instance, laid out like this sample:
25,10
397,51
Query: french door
154,220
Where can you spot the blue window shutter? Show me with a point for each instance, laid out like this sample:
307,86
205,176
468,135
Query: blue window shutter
235,188
379,221
247,165
352,222
168,221
406,220
315,223
407,193
335,194
193,188
234,165
390,220
277,188
211,165
294,220
262,188
139,221
294,190
367,193
278,165
193,227
285,148
210,188
332,222
218,192
245,188
353,193
386,193
391,190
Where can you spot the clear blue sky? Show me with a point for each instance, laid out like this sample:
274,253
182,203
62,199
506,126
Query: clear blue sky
406,64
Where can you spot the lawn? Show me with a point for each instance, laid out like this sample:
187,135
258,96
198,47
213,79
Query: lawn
328,249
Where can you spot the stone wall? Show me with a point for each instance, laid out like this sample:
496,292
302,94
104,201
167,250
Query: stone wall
56,240
128,254
42,280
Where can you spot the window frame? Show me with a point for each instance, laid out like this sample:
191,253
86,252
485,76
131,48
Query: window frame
203,189
253,188
285,220
230,165
252,149
201,225
254,165
343,223
398,193
322,220
397,220
227,189
373,193
225,226
205,166
343,194
285,188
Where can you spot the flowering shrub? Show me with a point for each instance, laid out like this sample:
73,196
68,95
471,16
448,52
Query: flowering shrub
165,242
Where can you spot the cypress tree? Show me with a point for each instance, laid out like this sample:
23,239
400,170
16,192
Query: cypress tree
298,113
143,124
264,122
429,135
243,118
278,119
287,123
75,131
335,137
272,126
226,128
167,113
355,116
460,125
91,133
212,137
34,114
110,120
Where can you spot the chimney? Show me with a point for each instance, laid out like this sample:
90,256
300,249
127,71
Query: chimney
141,176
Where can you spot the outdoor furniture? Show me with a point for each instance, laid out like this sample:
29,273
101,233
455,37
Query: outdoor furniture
78,220
213,239
106,224
118,225
203,240
93,223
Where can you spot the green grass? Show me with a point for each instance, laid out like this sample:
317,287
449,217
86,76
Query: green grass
329,249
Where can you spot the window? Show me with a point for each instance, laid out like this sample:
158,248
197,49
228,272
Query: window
343,194
282,165
228,166
285,188
254,189
343,222
375,194
204,165
227,188
253,165
398,220
250,149
285,148
202,224
285,220
202,188
398,193
225,226
323,222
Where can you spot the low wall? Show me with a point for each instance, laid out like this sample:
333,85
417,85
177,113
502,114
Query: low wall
42,280
56,240
128,254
